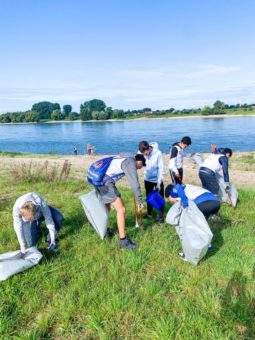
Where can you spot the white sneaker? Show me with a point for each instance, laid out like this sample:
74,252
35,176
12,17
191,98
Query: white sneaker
183,256
215,218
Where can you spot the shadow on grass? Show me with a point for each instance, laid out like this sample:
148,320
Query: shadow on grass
239,306
73,223
218,241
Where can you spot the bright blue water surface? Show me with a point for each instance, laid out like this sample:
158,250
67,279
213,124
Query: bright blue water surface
237,133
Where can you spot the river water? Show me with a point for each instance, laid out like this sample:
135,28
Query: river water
237,133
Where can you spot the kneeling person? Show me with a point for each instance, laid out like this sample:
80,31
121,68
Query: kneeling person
206,202
119,167
29,211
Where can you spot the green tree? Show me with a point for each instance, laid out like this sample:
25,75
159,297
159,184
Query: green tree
118,114
88,107
67,109
45,109
55,115
146,109
206,111
218,107
73,115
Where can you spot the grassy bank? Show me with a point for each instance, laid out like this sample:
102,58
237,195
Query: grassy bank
93,290
177,115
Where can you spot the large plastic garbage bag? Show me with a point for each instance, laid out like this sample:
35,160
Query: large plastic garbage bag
195,233
96,212
230,198
174,214
15,262
196,158
193,230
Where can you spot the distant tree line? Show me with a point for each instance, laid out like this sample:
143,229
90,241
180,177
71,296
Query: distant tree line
96,109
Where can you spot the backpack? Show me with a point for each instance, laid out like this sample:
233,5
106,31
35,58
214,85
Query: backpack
98,170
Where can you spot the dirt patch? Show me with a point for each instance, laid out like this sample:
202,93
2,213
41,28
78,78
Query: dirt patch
241,172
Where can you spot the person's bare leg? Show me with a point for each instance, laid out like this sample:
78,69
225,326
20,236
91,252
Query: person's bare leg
121,211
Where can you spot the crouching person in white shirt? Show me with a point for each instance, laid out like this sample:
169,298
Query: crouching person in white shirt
28,212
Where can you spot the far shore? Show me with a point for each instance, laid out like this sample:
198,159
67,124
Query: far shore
135,119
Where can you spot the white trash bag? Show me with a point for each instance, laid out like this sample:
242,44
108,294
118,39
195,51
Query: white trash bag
96,212
196,234
15,262
233,193
193,230
196,158
174,214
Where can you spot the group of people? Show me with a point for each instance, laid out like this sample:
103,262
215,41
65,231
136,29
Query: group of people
150,158
89,149
31,209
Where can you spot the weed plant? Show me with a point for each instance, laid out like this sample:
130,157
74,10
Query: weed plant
40,171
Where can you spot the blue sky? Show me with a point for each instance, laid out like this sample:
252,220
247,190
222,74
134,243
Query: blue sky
131,54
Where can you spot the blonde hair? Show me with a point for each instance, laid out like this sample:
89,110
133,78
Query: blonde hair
28,211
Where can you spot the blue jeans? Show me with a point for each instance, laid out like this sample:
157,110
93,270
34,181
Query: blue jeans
32,231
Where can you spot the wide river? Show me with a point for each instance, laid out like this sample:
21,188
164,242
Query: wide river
237,133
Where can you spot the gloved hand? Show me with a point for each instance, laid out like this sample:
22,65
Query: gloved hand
23,249
158,186
53,247
227,188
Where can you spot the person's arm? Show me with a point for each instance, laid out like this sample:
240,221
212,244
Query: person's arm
223,160
45,210
173,157
129,168
18,227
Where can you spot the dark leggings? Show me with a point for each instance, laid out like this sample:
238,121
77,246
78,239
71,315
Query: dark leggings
149,187
209,208
33,231
209,182
176,180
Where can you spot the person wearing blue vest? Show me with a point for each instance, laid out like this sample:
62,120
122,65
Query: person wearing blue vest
217,161
116,168
206,202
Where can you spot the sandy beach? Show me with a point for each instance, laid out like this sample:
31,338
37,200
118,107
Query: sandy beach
241,172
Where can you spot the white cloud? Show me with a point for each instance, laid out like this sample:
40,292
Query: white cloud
177,86
210,70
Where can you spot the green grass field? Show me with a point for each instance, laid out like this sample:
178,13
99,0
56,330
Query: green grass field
93,290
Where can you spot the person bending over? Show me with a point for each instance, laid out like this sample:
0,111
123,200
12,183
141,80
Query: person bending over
217,161
206,202
29,211
119,167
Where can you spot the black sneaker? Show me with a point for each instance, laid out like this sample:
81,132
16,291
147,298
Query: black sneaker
160,220
126,243
148,216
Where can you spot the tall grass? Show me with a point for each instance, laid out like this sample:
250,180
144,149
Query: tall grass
93,290
40,171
